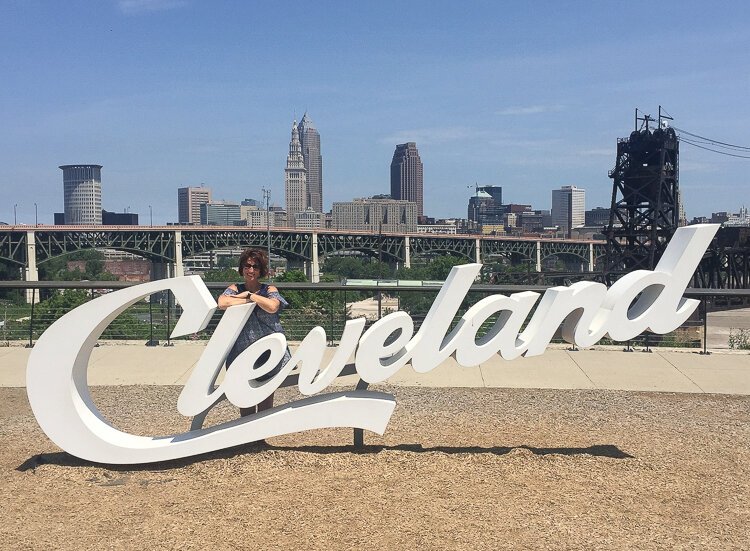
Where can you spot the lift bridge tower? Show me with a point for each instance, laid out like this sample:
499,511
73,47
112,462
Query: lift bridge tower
644,212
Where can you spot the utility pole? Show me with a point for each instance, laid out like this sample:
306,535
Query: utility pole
380,264
267,197
474,204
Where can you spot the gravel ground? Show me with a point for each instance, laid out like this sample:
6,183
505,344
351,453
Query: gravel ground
457,468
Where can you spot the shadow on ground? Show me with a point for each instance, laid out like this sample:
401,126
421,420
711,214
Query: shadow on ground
64,459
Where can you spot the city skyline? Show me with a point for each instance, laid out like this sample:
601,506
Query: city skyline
82,198
179,93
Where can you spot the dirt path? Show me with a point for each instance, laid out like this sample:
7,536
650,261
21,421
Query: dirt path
457,469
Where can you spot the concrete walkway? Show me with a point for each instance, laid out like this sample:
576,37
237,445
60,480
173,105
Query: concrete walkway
721,372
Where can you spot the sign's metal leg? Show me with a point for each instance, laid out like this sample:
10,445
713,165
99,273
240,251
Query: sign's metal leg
359,434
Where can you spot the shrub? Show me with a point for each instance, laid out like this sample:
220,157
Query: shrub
739,339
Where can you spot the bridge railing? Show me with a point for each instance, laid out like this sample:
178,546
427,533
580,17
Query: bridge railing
327,305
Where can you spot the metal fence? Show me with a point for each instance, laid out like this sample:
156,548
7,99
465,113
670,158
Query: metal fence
28,308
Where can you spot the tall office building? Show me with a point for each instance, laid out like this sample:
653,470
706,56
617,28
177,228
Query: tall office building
309,219
406,175
310,140
598,216
82,194
295,177
257,218
486,205
189,201
220,213
568,208
375,215
496,192
119,218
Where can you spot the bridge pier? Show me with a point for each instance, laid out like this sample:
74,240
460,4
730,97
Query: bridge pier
407,252
179,268
478,250
31,273
538,256
591,257
315,267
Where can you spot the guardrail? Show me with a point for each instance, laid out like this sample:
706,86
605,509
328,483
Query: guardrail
328,305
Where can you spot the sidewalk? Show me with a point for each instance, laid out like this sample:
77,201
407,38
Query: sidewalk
722,372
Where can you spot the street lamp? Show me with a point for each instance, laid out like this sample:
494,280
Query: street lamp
36,215
15,216
151,216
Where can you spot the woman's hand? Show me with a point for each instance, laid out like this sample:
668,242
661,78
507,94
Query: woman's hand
225,301
268,304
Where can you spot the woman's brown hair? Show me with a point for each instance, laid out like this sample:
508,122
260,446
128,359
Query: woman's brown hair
258,256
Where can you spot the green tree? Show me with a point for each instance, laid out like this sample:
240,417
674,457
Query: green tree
53,308
56,269
221,275
296,299
418,303
94,266
357,267
11,272
310,308
228,262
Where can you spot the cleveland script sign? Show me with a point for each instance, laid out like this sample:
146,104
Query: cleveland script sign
59,395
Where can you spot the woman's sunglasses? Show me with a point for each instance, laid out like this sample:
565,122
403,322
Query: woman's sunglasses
253,266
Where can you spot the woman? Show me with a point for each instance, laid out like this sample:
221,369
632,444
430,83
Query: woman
264,320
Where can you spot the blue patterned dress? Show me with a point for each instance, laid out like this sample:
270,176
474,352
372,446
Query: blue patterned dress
258,325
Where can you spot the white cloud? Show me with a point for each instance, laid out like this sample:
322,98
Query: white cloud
528,110
130,7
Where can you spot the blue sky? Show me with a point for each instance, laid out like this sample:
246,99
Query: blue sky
527,95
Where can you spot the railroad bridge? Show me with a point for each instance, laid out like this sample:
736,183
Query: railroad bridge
167,246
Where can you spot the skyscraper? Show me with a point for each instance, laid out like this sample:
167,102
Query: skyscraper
568,208
406,175
486,206
295,177
82,193
310,140
189,201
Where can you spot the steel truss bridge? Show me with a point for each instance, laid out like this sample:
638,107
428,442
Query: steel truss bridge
166,247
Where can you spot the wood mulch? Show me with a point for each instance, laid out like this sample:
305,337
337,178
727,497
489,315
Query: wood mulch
456,469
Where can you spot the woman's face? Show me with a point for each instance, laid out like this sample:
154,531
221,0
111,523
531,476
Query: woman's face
251,270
